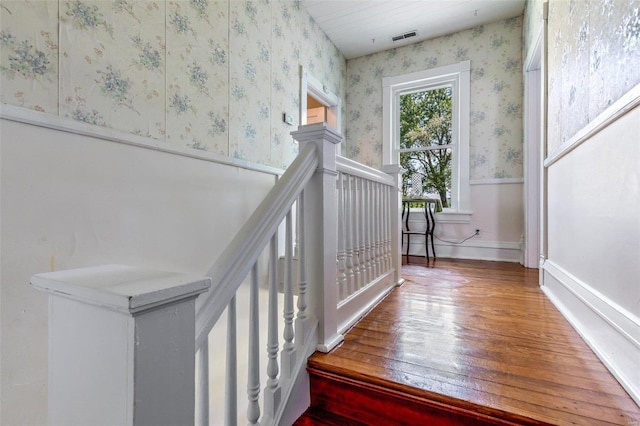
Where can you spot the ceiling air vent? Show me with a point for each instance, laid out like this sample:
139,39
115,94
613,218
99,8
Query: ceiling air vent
403,36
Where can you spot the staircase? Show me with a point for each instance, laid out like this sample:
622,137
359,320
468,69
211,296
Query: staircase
340,223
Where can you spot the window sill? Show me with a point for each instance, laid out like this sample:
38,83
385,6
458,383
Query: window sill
454,217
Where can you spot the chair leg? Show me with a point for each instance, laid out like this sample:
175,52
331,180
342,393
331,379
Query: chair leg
426,244
433,247
432,229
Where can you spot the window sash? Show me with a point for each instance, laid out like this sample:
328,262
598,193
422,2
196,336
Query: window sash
427,148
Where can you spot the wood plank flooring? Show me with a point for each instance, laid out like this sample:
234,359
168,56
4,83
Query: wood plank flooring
482,337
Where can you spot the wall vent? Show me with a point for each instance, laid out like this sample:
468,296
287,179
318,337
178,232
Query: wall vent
403,36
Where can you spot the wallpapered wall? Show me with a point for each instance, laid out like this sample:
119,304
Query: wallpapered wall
495,52
210,75
594,59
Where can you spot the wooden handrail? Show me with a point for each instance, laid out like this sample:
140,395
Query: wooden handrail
233,265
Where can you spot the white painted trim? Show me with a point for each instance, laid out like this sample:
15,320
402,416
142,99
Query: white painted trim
505,251
534,58
453,217
533,141
459,76
612,332
400,82
495,181
310,85
237,259
626,103
446,216
94,286
54,122
350,167
360,303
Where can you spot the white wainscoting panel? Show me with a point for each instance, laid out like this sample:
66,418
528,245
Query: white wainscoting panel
612,332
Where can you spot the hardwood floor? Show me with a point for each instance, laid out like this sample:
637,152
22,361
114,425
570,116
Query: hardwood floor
479,338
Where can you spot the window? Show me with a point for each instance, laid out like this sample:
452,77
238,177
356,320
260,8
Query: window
434,142
426,143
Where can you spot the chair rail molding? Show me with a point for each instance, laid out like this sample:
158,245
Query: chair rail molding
63,124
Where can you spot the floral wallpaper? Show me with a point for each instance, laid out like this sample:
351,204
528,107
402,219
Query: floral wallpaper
495,52
29,55
208,75
593,59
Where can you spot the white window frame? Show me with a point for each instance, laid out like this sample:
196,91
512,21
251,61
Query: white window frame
457,76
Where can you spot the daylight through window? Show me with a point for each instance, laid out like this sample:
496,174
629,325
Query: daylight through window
426,143
426,132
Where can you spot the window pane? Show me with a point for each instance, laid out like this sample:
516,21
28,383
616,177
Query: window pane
428,174
426,121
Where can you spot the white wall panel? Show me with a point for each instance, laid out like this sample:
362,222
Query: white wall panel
70,201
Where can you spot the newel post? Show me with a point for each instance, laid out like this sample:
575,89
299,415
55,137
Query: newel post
121,345
396,171
321,232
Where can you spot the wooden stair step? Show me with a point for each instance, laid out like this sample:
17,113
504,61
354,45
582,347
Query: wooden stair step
318,417
367,403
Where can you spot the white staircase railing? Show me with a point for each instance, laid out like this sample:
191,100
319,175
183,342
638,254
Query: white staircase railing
366,272
347,235
228,273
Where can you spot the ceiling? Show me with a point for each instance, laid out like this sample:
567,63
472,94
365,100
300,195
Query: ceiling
361,27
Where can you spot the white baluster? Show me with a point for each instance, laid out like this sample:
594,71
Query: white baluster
387,229
349,234
369,232
356,232
342,276
253,382
231,388
363,233
379,206
203,384
288,353
301,319
272,392
375,266
391,191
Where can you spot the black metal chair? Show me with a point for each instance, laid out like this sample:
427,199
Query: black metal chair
415,196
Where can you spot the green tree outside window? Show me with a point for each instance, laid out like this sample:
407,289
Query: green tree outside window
426,137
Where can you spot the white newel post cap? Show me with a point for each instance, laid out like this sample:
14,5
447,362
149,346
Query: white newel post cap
325,138
317,132
121,345
122,288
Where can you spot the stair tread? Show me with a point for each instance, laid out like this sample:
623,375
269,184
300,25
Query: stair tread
363,401
319,417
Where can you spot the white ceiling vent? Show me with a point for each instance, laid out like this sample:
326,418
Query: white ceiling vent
403,36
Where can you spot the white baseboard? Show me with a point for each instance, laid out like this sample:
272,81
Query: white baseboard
473,249
612,332
360,303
